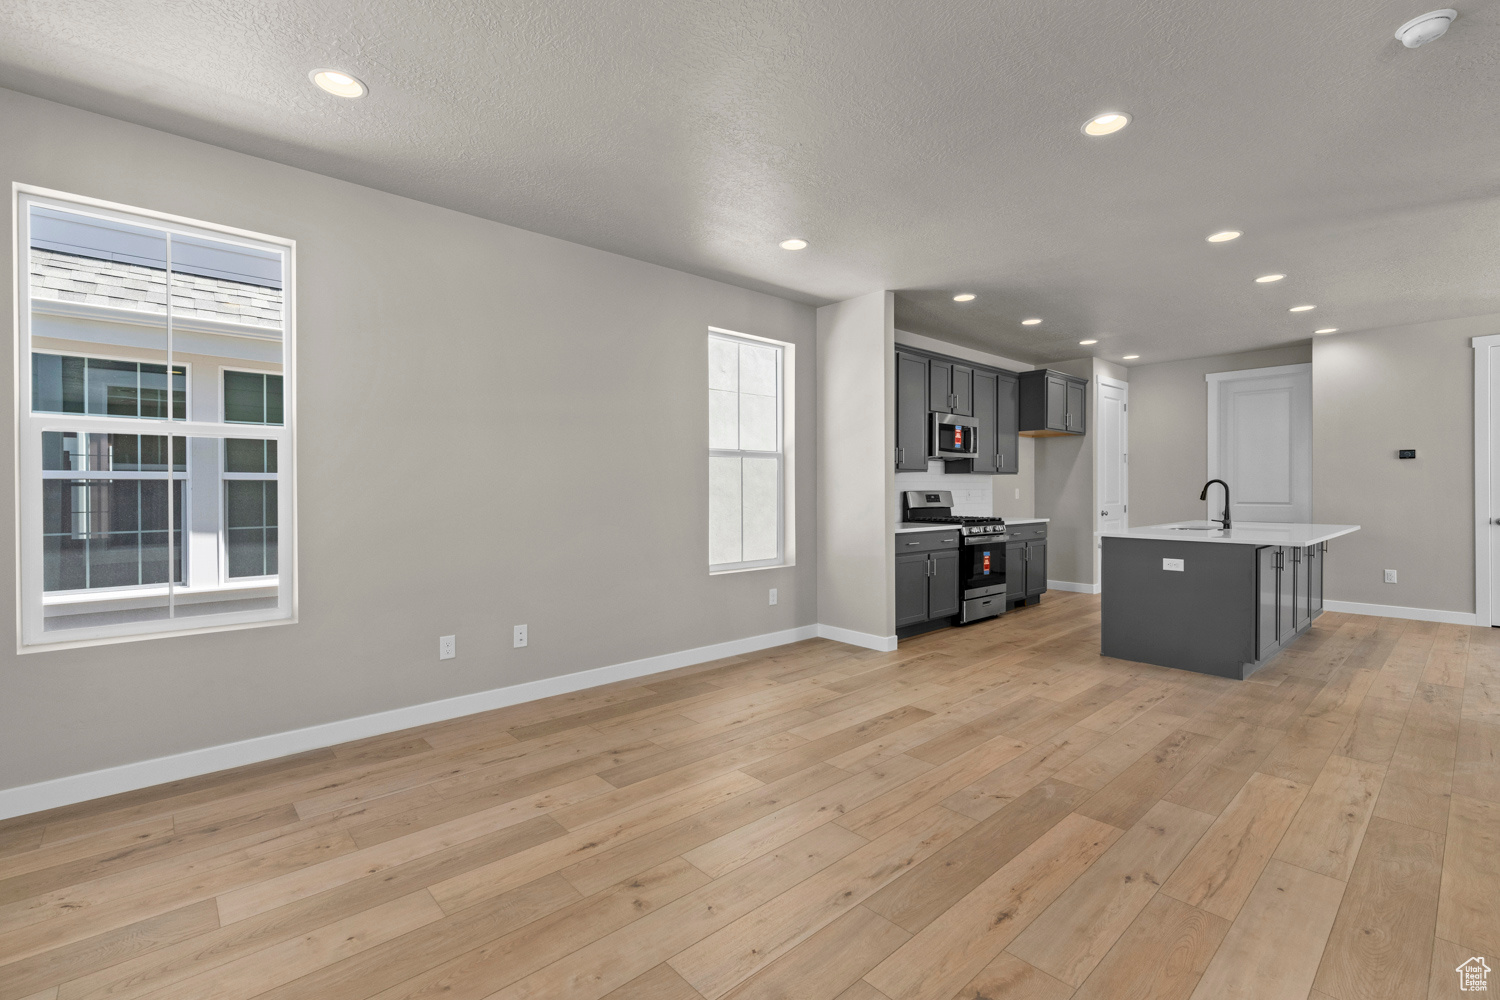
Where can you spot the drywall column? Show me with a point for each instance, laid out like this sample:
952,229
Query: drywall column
856,470
1066,490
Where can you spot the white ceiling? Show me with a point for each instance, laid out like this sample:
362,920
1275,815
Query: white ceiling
927,147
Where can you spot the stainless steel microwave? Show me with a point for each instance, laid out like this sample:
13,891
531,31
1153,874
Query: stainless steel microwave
952,437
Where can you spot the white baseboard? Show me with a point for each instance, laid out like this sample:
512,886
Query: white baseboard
884,643
1075,588
127,777
1394,611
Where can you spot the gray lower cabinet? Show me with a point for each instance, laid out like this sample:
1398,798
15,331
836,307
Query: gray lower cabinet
1266,601
1286,594
1036,568
927,584
913,570
942,591
1289,586
1217,609
911,413
1026,563
1315,580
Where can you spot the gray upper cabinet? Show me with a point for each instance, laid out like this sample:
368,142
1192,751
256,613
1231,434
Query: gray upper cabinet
950,388
911,413
1007,423
1052,403
986,459
990,396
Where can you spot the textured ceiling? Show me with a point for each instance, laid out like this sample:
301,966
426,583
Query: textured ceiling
927,147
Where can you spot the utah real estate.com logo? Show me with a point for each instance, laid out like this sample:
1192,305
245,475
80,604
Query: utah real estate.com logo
1474,975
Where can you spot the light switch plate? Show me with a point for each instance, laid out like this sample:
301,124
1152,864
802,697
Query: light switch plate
773,595
1175,565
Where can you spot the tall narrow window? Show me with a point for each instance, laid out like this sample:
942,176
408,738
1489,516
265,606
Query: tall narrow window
154,432
745,459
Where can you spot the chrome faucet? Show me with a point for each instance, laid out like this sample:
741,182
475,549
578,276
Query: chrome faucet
1204,496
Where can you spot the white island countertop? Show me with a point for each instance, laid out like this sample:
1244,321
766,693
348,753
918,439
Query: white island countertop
1242,532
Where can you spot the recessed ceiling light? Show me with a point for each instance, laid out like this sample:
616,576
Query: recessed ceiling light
1301,309
1030,322
964,297
1106,124
1131,357
794,244
338,83
1327,329
1266,279
1086,343
1225,236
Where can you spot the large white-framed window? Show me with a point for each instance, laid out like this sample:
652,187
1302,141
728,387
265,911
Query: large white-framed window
153,501
747,439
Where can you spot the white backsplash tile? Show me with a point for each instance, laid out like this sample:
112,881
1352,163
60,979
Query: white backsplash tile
972,495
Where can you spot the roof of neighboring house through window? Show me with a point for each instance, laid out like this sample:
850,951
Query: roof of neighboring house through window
113,284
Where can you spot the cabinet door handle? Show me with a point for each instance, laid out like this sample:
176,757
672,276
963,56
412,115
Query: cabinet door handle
913,543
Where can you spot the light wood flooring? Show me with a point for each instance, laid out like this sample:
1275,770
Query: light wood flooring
992,812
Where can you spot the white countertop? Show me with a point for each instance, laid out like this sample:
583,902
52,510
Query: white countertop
1242,533
906,526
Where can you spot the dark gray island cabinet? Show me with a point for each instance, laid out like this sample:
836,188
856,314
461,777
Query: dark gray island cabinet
1197,597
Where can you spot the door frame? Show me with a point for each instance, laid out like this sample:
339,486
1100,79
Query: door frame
1216,379
1483,473
1124,388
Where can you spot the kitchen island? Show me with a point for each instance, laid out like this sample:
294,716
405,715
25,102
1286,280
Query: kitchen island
1194,596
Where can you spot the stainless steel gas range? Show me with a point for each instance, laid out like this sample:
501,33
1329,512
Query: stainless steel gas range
981,567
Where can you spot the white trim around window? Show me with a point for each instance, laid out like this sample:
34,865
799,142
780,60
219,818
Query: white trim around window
118,614
761,426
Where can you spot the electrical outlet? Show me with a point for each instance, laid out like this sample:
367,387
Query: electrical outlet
1390,576
518,638
773,595
1018,492
1175,565
447,647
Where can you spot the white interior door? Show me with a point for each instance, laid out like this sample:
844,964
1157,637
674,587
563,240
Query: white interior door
1487,477
1260,442
1112,478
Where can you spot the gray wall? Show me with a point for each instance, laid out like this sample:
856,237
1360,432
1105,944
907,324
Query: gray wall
1169,430
496,427
1375,393
856,470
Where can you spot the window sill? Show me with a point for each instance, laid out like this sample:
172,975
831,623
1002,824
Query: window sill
140,593
751,569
